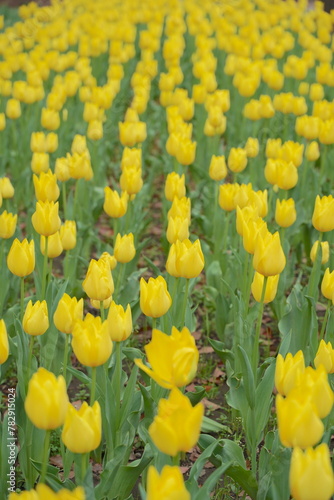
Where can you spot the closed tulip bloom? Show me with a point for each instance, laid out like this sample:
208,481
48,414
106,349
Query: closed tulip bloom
185,259
51,140
244,215
13,109
68,234
45,219
6,188
68,310
271,287
2,121
324,245
273,148
119,322
110,260
237,160
45,493
80,166
155,300
311,474
260,200
186,151
298,422
21,257
131,180
327,284
325,356
38,142
288,371
47,400
175,186
177,425
167,485
124,250
227,194
4,345
50,119
46,187
55,246
312,151
91,341
173,358
181,207
131,157
40,162
98,283
36,320
217,169
252,147
285,214
177,229
314,385
7,224
97,304
269,258
114,204
132,133
95,130
82,429
293,151
252,228
323,214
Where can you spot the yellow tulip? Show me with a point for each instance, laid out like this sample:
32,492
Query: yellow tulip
177,425
13,109
68,310
36,320
44,492
327,284
91,341
177,229
288,371
311,474
7,224
181,207
46,187
50,119
175,186
285,214
217,169
45,219
237,159
269,258
185,259
6,188
271,287
40,162
119,322
167,485
21,257
312,151
252,147
124,250
46,401
173,358
68,234
155,300
323,214
325,356
98,283
55,246
324,245
4,345
114,204
82,429
131,180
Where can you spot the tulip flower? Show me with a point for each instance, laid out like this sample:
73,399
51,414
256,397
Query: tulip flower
124,250
35,320
251,229
181,207
38,142
177,229
21,257
55,246
227,193
82,429
68,310
269,258
131,134
131,180
98,283
80,166
244,215
177,425
43,492
46,187
110,260
6,188
50,119
285,214
175,186
173,358
7,224
4,345
185,259
237,160
95,130
252,147
119,322
311,475
131,157
40,163
13,109
155,300
166,485
324,245
91,341
46,401
271,287
288,371
45,219
298,422
114,204
323,214
312,152
217,169
68,235
51,142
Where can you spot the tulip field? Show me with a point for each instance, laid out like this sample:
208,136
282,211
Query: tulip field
166,250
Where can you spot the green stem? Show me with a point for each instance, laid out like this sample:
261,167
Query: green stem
323,164
22,298
255,357
176,459
84,466
117,387
115,230
45,456
324,323
31,348
2,248
119,279
154,323
184,307
314,278
63,189
102,312
215,222
45,267
66,348
93,386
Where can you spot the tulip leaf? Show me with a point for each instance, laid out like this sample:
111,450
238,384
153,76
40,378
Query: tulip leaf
128,396
209,425
263,399
149,406
203,493
81,376
224,354
248,377
197,396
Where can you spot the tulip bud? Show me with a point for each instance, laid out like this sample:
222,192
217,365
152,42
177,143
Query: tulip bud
166,485
21,257
185,259
13,109
269,258
217,169
124,250
324,251
114,204
95,130
177,229
252,147
51,142
35,320
110,260
55,246
312,152
47,400
50,119
131,180
170,438
311,474
181,207
4,345
85,422
6,188
62,169
285,214
271,287
175,186
288,371
132,133
227,193
68,310
68,234
119,322
46,188
40,162
7,224
38,142
46,220
323,214
237,159
325,356
91,341
98,283
155,299
327,285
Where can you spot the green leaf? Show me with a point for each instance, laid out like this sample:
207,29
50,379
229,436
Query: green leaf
197,396
263,399
219,348
209,425
82,377
248,377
